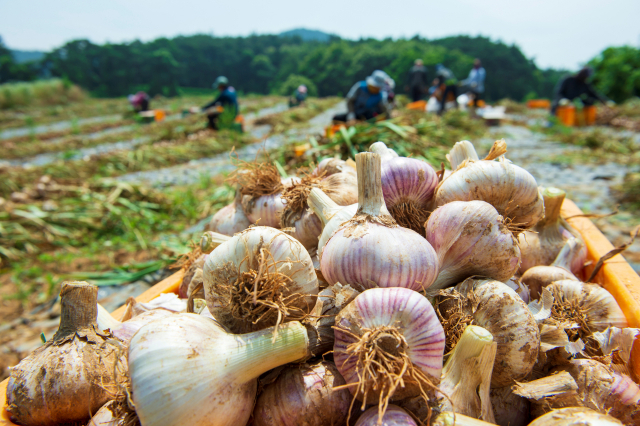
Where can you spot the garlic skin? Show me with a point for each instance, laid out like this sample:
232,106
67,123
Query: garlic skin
509,409
285,272
125,330
541,245
383,150
394,416
471,238
373,317
187,370
340,187
265,210
408,186
189,274
451,419
304,395
104,417
371,250
519,287
497,308
538,277
230,219
575,416
331,166
509,188
69,378
599,309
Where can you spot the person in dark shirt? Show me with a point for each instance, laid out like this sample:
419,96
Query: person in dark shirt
298,96
227,99
139,102
447,83
417,81
576,86
366,100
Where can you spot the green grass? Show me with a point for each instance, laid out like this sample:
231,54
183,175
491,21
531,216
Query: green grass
39,93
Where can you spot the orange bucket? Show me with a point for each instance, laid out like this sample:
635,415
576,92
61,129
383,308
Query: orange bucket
566,115
418,105
589,115
333,129
539,104
159,115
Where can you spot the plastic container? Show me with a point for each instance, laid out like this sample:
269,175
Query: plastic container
566,115
539,104
418,105
590,113
616,276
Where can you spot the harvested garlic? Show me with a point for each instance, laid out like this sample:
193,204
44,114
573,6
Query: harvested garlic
494,306
371,250
509,188
230,219
541,245
330,213
259,278
69,378
471,238
330,166
408,185
393,416
575,416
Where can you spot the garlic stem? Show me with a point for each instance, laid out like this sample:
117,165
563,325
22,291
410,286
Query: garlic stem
553,199
370,197
322,205
259,353
471,344
79,308
210,240
461,152
567,254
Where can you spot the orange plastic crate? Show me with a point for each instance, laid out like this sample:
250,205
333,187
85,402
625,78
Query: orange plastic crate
539,104
616,276
418,105
567,115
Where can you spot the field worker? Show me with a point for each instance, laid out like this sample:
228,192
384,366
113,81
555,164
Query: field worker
388,89
226,99
417,81
576,86
475,81
365,100
447,83
298,96
139,101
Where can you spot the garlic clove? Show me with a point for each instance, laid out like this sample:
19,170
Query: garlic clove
575,416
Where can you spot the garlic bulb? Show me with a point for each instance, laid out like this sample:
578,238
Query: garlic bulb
408,186
371,250
307,227
507,187
471,238
497,308
541,245
582,308
383,333
187,370
331,166
509,409
538,277
383,150
304,395
466,376
331,215
575,416
195,260
394,416
259,278
230,219
70,377
449,418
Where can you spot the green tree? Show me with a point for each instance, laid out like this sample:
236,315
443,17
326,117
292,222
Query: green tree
293,81
617,72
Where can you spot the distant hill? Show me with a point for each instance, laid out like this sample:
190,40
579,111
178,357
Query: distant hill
22,56
308,35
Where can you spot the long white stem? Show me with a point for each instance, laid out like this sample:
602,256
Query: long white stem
370,196
322,205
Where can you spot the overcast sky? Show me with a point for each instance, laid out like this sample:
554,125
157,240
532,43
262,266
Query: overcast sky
557,33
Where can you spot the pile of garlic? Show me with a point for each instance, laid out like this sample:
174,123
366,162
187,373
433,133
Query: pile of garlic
380,294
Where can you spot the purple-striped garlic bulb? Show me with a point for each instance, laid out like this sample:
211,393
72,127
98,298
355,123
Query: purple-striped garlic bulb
509,188
471,238
342,188
408,185
371,250
497,308
582,308
538,277
331,166
230,219
388,346
304,394
261,187
330,213
541,245
394,416
259,278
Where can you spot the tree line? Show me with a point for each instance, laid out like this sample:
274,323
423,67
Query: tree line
272,63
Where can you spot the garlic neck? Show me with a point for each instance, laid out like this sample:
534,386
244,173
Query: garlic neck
553,199
210,240
370,197
322,205
259,352
79,302
461,152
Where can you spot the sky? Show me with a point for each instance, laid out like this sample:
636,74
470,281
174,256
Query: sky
555,33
